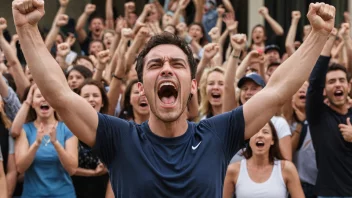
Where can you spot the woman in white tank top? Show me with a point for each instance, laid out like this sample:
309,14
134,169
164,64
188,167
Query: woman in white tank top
263,173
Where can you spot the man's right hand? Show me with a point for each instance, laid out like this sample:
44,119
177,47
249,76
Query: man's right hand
27,12
321,17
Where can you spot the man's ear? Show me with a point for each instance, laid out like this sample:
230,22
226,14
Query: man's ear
194,87
140,88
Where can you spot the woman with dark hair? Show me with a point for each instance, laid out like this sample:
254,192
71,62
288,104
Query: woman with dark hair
263,172
45,149
77,75
134,107
91,177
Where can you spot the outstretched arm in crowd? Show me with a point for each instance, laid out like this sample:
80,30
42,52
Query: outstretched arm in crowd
291,35
76,112
82,21
238,42
109,14
291,74
60,20
272,22
120,70
13,63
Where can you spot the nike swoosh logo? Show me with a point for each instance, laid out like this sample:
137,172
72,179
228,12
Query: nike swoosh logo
195,147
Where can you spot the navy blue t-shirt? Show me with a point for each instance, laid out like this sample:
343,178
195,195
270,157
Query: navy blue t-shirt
142,164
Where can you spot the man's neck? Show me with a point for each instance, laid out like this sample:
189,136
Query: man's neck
95,37
340,109
168,129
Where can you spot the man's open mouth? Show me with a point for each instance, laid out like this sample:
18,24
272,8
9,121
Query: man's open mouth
167,93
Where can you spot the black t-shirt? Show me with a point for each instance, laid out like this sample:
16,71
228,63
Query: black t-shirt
85,44
333,153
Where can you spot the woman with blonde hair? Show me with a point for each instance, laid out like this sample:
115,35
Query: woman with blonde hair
211,88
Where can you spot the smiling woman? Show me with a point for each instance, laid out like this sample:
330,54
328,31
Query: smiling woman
211,91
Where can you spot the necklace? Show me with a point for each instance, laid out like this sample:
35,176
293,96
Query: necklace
46,141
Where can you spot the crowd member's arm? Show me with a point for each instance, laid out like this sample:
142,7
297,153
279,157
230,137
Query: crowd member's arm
199,4
231,180
238,42
120,71
60,20
13,43
24,152
81,23
281,86
296,134
11,101
75,111
68,154
98,171
63,49
103,59
11,175
109,192
291,35
109,14
182,4
291,179
210,51
214,34
252,57
314,97
3,186
20,119
143,16
130,7
348,45
159,7
13,63
228,6
219,20
138,41
272,22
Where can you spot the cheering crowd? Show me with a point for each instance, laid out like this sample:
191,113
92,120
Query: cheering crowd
174,104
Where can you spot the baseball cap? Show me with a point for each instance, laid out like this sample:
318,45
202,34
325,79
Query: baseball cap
272,47
253,77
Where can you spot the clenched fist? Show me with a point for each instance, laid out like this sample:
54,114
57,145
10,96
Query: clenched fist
103,57
238,41
89,9
61,20
210,51
296,15
321,17
27,12
63,49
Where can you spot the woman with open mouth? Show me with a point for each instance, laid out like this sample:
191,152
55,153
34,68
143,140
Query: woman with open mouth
134,107
211,91
91,176
263,172
45,149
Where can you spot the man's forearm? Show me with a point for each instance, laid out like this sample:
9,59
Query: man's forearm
45,70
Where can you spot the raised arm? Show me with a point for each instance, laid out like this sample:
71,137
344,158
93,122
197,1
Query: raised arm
238,42
210,51
78,115
109,14
282,86
82,21
182,4
199,4
63,49
59,21
120,71
272,22
291,35
103,59
13,63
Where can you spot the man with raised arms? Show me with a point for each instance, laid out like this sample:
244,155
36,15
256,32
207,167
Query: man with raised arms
167,156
